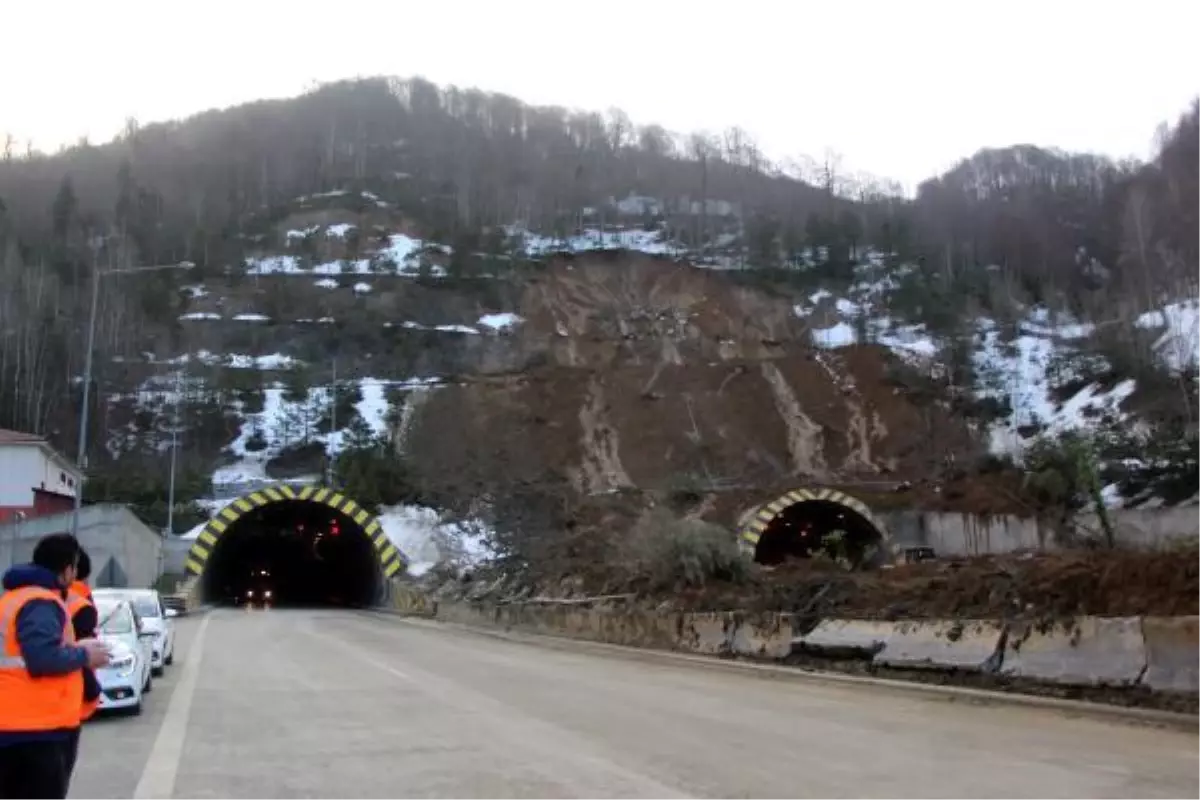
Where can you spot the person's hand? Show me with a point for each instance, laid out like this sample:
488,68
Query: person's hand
98,654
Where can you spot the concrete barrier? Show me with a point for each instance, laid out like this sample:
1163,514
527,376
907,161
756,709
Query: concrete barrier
411,601
762,635
710,634
1089,651
1160,653
640,628
846,638
1172,653
974,645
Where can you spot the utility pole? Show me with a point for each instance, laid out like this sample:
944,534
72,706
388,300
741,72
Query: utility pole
81,450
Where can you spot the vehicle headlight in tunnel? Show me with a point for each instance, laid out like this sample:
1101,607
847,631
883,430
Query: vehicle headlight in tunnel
267,594
250,594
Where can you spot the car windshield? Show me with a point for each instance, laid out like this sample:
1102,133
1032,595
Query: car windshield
115,618
146,606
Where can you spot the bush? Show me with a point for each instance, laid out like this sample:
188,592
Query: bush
297,460
667,553
257,441
685,490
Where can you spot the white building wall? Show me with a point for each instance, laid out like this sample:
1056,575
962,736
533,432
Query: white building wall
24,468
20,468
54,476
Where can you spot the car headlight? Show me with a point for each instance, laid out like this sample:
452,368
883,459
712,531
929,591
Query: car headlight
122,662
267,594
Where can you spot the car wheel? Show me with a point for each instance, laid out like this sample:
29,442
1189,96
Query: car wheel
158,671
170,657
137,709
149,685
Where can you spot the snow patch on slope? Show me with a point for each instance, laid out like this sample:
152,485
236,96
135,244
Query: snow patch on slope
424,536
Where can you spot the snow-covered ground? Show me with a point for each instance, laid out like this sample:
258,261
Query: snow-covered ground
1020,372
1179,343
426,538
637,240
1019,364
284,422
500,322
402,255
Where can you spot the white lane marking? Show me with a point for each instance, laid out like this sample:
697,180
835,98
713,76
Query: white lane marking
158,776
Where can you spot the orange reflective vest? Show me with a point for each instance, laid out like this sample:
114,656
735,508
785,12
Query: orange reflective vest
79,596
34,704
82,589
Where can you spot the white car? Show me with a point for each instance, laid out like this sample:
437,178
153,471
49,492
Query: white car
156,618
129,676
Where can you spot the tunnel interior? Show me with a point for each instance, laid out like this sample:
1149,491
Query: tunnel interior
821,528
293,552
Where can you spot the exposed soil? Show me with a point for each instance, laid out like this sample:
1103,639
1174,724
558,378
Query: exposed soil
1046,586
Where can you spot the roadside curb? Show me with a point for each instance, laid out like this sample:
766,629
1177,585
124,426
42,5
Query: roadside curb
1079,708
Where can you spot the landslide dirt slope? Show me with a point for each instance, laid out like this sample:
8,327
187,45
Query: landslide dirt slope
1052,586
647,372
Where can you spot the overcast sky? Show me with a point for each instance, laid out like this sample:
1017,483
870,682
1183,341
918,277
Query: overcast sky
901,89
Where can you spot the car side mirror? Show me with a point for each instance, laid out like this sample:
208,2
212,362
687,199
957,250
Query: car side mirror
172,613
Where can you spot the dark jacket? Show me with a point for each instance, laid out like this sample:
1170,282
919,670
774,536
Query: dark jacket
85,621
39,635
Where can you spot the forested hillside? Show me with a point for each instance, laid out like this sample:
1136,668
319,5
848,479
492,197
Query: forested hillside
1003,232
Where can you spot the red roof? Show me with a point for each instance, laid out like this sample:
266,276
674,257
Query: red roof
19,437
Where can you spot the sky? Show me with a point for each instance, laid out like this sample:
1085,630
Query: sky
899,89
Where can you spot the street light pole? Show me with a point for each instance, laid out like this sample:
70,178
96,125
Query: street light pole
174,449
81,451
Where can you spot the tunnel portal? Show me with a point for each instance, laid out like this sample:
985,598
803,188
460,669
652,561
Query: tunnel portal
283,546
807,522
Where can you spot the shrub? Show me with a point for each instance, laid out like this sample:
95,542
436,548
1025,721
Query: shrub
668,553
257,442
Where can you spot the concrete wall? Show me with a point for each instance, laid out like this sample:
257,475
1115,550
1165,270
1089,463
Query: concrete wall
175,552
107,532
958,534
1155,527
955,534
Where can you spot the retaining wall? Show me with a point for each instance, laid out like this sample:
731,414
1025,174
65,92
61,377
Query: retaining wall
1158,653
124,551
959,534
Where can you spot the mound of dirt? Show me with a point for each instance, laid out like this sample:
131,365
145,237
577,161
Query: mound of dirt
1044,586
650,373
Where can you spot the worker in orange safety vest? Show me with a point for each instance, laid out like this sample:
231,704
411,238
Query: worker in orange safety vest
41,671
84,619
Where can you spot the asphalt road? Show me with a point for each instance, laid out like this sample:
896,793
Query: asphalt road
336,704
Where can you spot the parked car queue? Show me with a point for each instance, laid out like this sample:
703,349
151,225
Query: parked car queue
139,628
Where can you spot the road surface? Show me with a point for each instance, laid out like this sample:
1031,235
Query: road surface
338,704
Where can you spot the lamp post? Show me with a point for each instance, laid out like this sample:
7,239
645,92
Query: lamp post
174,448
81,450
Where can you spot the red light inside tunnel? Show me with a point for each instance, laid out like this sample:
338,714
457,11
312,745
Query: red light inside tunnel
334,530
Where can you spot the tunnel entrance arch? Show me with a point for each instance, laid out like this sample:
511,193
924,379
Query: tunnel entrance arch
794,523
292,526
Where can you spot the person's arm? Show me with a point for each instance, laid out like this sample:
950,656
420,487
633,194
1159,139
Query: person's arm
85,622
40,637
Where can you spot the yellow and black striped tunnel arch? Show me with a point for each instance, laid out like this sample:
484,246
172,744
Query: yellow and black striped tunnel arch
390,559
754,525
